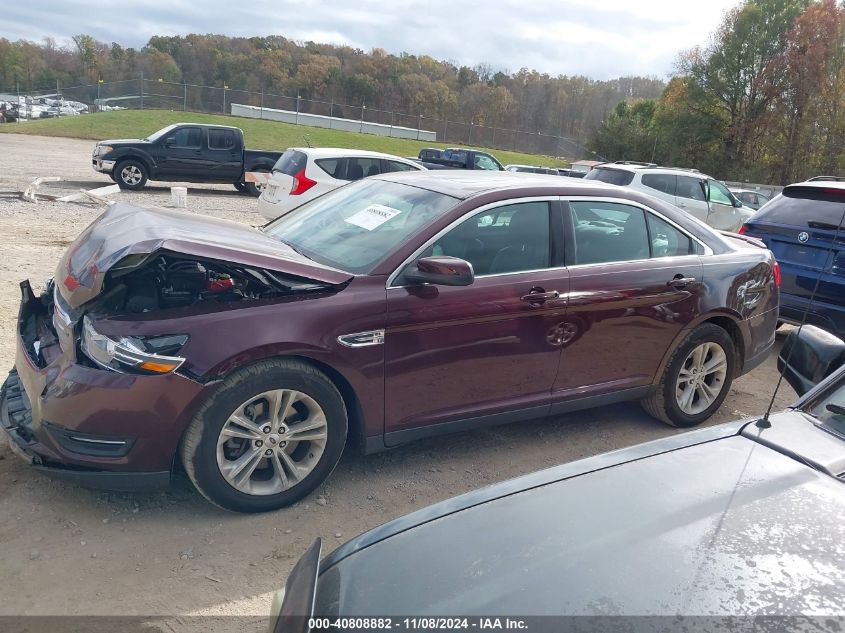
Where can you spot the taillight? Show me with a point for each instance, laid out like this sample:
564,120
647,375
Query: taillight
776,273
301,183
743,229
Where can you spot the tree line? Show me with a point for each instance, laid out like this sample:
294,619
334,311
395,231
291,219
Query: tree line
567,106
762,102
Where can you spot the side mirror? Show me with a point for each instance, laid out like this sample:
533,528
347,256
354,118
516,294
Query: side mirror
441,271
813,355
169,141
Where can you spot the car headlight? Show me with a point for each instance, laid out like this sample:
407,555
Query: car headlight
132,354
102,149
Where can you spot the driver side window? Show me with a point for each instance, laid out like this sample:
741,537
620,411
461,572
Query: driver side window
507,239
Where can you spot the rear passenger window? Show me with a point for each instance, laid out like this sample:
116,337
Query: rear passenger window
608,232
689,187
395,165
357,168
660,182
666,240
221,139
329,165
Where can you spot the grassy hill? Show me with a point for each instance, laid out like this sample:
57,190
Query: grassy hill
259,134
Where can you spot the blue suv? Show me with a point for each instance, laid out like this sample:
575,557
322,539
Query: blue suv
803,228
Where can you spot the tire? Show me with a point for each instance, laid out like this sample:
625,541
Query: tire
130,174
668,403
253,189
240,186
213,469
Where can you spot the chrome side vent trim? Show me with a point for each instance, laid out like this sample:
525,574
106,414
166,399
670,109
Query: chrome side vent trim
362,339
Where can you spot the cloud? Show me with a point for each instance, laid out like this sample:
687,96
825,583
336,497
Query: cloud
596,38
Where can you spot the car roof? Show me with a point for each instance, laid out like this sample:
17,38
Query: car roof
818,184
466,183
653,169
343,152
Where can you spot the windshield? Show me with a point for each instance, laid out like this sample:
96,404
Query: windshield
830,409
355,227
162,132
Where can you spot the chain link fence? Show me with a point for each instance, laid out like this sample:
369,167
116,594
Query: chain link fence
144,93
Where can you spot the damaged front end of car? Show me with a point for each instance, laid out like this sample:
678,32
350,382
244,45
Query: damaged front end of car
103,387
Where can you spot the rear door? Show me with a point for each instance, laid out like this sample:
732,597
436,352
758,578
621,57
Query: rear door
690,196
799,228
635,282
224,154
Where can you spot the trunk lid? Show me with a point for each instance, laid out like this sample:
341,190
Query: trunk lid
125,235
799,228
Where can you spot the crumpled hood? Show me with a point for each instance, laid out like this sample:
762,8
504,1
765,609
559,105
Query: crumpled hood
125,230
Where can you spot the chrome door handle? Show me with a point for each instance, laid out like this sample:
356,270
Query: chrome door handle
680,282
540,297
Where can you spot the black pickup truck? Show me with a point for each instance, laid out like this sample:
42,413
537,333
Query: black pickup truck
458,158
184,152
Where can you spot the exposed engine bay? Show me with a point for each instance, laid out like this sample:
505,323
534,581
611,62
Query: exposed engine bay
168,281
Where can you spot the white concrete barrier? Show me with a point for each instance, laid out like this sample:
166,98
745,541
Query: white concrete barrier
334,123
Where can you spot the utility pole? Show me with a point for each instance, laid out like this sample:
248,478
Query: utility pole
363,109
224,97
185,97
262,102
142,90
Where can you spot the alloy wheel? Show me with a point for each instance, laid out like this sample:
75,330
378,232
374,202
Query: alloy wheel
701,378
271,442
131,175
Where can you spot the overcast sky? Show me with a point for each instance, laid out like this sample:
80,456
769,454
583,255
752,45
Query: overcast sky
598,38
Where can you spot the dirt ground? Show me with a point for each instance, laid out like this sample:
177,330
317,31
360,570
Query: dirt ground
68,550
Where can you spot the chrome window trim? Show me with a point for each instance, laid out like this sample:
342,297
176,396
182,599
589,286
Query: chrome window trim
478,211
639,205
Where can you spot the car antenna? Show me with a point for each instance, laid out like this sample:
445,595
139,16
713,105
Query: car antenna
764,423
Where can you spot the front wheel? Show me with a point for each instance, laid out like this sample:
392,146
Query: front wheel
130,174
696,379
269,435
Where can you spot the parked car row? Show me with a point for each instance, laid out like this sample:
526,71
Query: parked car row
553,171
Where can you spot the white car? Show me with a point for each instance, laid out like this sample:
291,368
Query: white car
698,194
303,173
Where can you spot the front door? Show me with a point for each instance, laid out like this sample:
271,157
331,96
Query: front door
225,157
183,154
635,283
488,349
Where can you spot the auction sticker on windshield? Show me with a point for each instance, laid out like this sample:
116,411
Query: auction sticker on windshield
373,216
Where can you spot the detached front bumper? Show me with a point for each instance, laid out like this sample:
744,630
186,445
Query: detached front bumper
103,166
92,426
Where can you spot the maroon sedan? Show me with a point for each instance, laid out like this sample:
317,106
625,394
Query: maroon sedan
397,307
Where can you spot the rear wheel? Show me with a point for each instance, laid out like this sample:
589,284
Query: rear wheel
254,189
696,379
130,174
268,436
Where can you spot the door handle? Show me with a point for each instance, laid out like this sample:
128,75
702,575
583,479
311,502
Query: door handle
539,296
679,281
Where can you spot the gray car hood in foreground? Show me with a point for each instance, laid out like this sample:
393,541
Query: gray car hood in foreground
722,526
125,230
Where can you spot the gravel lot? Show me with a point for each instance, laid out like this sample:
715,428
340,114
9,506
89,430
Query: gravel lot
67,550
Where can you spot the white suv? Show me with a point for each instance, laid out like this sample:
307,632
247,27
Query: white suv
696,193
303,173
